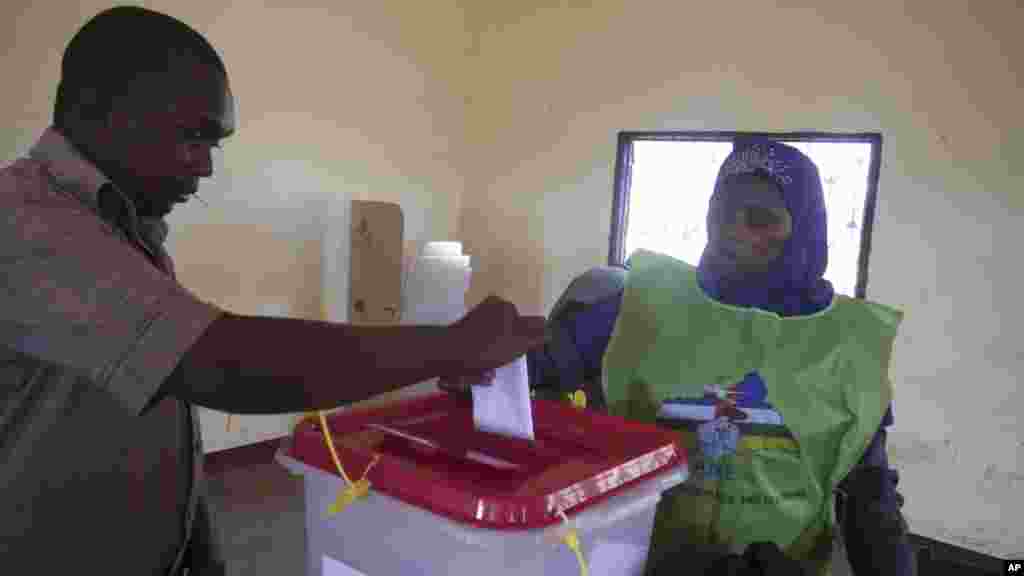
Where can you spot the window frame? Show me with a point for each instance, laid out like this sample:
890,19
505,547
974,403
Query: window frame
623,181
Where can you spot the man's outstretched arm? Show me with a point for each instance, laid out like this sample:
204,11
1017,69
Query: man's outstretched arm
257,365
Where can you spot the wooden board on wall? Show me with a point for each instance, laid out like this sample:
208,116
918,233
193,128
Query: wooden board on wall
375,289
375,296
375,274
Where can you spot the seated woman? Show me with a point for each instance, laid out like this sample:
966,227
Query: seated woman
778,386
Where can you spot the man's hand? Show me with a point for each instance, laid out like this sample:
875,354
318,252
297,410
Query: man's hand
251,364
491,335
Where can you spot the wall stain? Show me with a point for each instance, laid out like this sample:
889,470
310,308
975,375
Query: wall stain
913,452
982,545
953,452
997,479
994,480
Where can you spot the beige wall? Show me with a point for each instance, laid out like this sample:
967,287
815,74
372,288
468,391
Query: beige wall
347,101
941,81
504,115
353,100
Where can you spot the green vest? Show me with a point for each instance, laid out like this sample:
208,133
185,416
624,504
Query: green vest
760,473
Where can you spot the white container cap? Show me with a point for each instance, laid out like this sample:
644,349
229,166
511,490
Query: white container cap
440,249
442,262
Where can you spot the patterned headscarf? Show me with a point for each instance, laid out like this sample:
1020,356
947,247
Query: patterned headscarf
794,285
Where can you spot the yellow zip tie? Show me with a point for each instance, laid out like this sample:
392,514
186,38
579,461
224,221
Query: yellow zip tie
572,539
354,490
306,417
578,399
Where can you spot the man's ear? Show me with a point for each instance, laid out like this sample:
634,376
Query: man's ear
100,135
109,133
115,120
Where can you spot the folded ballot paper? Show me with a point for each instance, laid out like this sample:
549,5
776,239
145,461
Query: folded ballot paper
504,406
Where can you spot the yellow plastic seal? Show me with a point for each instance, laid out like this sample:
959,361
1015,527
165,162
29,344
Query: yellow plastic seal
353,490
572,540
348,496
578,399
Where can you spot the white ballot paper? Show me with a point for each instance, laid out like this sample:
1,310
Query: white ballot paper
504,406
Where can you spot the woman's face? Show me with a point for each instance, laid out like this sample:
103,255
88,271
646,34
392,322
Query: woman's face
750,224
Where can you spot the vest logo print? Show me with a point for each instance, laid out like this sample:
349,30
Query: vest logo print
718,439
727,420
